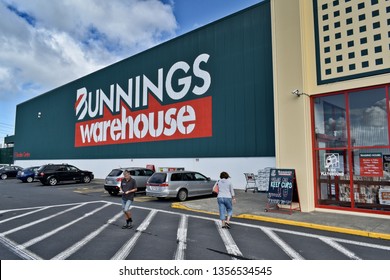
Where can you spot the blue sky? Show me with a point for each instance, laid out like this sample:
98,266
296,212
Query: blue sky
45,44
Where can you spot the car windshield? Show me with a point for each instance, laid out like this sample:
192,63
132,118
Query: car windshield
41,168
158,178
115,173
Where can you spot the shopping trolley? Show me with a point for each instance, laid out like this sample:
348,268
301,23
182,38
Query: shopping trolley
251,182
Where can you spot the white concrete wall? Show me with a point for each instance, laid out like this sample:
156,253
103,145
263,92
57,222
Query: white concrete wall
210,167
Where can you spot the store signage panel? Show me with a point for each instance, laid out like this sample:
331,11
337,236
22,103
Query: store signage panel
371,164
281,186
332,165
148,111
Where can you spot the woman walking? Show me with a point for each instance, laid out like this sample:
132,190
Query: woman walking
225,198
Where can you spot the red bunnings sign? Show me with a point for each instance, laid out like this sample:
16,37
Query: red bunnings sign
140,113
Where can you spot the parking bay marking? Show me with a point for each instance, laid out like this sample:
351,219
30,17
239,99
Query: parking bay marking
50,233
181,238
227,239
71,250
128,247
24,253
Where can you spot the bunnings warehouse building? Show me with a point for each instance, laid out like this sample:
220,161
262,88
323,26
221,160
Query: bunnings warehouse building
296,84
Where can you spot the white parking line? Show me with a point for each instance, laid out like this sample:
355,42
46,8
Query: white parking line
50,233
124,251
128,246
24,215
316,236
340,248
283,245
17,250
41,220
181,238
231,246
50,206
77,246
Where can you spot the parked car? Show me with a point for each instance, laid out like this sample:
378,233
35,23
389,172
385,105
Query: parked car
113,180
179,184
9,171
27,174
52,174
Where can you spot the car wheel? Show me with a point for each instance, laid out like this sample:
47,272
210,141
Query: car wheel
86,179
4,176
29,179
53,181
182,195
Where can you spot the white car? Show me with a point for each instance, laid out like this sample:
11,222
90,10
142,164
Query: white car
112,183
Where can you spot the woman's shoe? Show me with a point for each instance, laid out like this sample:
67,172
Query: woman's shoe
227,225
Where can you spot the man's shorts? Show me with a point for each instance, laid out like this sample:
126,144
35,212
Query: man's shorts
126,204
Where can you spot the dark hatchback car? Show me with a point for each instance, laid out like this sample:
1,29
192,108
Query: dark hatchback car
113,180
9,171
52,174
27,175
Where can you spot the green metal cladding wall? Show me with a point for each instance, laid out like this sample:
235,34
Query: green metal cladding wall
6,155
240,66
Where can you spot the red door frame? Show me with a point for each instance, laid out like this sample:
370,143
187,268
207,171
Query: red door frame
349,148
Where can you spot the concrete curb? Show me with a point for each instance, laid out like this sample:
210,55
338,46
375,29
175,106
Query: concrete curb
179,205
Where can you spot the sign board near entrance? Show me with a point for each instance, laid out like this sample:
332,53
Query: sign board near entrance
371,164
282,185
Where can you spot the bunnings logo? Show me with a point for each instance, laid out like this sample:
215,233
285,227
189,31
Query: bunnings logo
148,111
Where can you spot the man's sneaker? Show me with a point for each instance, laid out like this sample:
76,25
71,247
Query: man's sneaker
125,226
130,225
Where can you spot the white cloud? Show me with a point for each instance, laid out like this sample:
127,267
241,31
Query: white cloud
45,44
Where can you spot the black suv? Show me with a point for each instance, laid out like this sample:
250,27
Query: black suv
51,174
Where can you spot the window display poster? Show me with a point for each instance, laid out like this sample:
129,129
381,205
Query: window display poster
384,196
386,163
333,165
371,164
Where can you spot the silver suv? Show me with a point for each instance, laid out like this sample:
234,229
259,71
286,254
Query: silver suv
113,180
179,184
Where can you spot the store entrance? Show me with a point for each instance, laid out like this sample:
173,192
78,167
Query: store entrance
352,150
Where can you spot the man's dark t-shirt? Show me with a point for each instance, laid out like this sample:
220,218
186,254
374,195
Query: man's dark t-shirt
126,186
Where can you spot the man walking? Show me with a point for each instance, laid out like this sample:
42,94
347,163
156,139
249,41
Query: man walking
129,187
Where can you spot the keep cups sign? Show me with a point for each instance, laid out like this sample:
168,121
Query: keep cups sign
281,186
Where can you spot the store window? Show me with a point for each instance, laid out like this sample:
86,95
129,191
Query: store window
352,150
368,118
330,125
